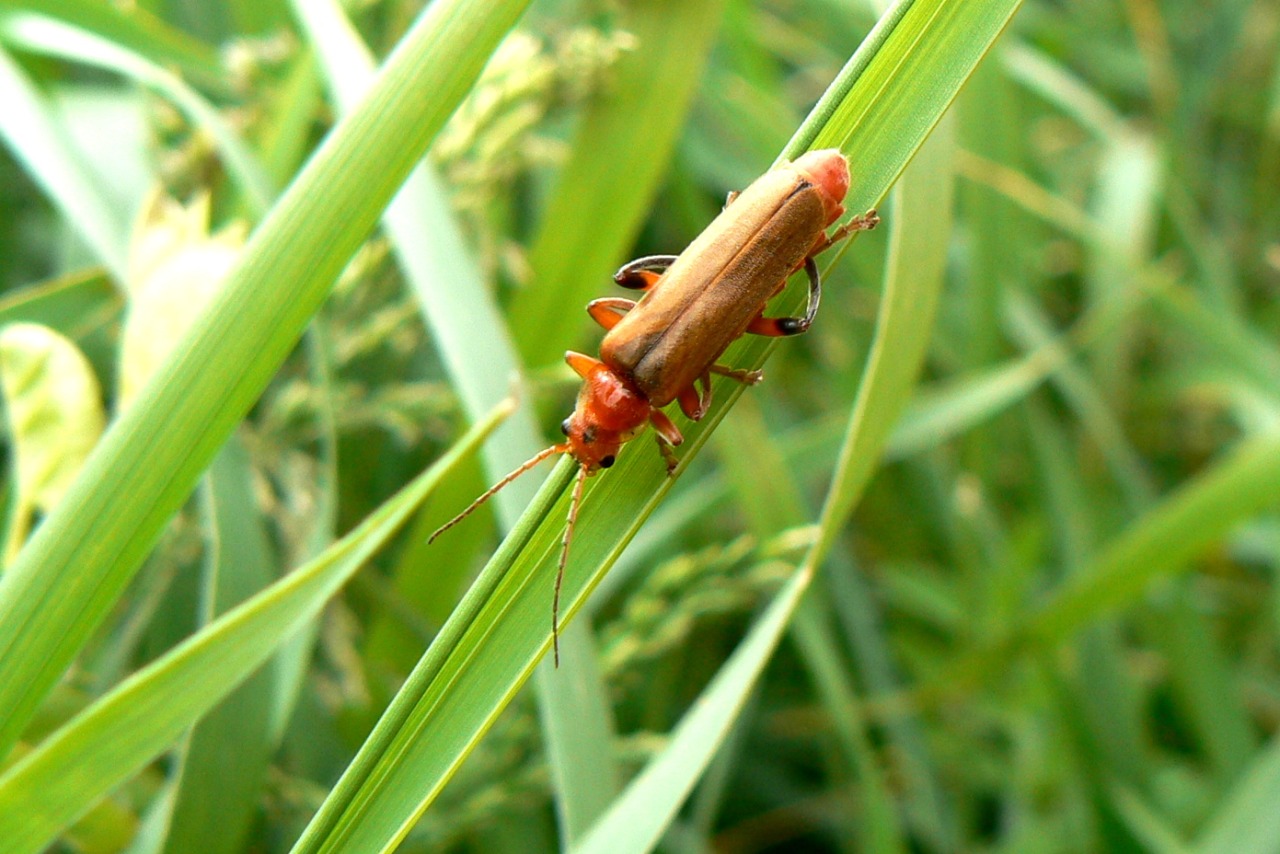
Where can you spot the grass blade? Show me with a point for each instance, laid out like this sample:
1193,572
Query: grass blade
71,572
30,127
636,820
1248,821
141,717
53,38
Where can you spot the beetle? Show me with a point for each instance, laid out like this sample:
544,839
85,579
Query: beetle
664,348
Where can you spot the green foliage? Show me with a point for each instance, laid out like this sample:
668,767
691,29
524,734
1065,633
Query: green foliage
989,562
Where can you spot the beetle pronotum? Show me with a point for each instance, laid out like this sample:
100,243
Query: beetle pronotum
664,347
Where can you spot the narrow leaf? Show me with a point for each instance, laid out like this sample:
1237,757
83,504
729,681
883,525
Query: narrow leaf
143,716
70,574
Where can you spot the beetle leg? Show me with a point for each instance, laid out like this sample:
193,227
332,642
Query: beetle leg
704,402
668,436
691,402
582,364
862,222
668,455
609,310
665,427
695,404
743,376
776,327
688,400
643,273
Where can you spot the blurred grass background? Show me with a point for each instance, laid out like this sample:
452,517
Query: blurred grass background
1052,622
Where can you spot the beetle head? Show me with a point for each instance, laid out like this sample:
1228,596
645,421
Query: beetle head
828,169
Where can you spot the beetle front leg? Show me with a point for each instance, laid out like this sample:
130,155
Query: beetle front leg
581,363
776,327
607,311
643,273
668,456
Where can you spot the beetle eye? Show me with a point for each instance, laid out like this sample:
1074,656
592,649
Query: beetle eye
564,426
605,462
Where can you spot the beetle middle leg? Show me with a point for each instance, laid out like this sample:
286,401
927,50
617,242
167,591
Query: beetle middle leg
643,273
607,311
694,403
776,327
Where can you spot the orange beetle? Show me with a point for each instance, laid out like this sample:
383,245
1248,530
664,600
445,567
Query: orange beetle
664,348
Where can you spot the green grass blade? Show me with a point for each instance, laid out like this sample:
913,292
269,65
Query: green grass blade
54,38
143,716
35,135
74,305
637,819
1166,539
1150,828
920,226
1160,543
879,827
448,701
1247,822
917,260
929,51
465,323
920,231
224,759
69,575
767,489
135,29
949,409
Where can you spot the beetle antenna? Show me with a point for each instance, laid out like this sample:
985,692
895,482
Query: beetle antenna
574,502
489,493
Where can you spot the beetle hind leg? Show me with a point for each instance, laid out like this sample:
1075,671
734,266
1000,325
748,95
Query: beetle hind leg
777,327
741,375
861,222
643,273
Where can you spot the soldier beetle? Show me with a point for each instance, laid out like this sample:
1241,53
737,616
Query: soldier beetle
664,347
